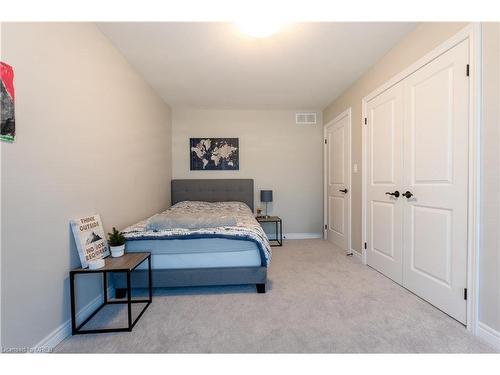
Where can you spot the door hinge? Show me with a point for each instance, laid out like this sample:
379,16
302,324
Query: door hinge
366,121
467,69
326,227
465,294
325,141
365,245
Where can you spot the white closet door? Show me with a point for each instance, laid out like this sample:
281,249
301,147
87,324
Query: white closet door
338,141
435,169
384,175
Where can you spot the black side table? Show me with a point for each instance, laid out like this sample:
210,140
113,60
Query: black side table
278,223
126,263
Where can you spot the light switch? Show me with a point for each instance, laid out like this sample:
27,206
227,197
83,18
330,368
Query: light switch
355,168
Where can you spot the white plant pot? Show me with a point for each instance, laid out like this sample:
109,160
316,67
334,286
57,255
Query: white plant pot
96,264
117,251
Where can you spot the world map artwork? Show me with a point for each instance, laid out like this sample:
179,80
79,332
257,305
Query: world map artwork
214,154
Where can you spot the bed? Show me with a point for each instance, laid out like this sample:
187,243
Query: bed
231,254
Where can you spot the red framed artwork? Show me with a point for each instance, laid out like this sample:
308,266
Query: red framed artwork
7,98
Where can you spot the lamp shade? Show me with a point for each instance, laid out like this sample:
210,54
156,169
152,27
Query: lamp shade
266,195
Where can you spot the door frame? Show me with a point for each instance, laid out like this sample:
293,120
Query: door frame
346,113
472,32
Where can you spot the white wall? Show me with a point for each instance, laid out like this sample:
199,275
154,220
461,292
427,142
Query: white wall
489,259
274,151
92,137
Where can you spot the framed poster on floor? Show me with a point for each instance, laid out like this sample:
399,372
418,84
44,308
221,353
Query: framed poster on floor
89,238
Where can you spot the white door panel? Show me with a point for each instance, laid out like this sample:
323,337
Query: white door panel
423,257
436,164
336,218
336,137
383,224
384,175
337,159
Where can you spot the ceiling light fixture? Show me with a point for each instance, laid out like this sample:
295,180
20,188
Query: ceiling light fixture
259,28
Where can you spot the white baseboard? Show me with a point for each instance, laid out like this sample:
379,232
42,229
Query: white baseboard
301,236
488,334
64,330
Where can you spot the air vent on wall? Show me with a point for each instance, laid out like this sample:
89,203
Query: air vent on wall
305,118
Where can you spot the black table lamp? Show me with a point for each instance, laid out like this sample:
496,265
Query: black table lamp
266,196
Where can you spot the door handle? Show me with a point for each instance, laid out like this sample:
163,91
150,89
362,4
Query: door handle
395,194
344,191
408,194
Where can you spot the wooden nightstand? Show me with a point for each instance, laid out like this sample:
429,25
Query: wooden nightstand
278,222
126,263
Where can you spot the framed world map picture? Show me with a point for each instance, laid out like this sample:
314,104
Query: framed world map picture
213,154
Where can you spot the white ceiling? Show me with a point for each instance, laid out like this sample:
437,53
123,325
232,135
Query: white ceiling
305,66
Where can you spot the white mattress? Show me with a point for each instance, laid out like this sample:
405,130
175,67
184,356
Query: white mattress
198,253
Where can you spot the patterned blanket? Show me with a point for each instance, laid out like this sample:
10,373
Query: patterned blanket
247,228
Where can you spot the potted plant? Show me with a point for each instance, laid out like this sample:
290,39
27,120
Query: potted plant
259,211
116,242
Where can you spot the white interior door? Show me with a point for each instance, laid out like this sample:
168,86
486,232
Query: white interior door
338,221
384,214
436,164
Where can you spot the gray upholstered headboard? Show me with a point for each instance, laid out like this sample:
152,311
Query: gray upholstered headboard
220,190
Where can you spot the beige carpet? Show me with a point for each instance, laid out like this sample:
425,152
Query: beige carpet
318,300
